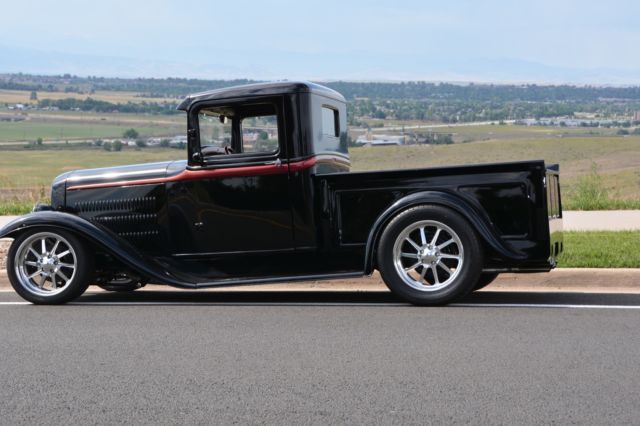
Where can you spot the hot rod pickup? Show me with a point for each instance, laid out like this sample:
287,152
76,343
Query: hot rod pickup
265,195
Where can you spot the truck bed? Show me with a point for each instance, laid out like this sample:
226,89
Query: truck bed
517,206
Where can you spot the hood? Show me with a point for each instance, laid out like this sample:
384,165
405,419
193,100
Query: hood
119,175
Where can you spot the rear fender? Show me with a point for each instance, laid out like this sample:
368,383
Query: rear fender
103,238
480,223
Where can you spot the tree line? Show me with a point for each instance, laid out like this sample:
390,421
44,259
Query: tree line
89,104
441,102
411,90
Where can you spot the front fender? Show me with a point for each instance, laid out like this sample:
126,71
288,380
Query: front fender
98,235
445,199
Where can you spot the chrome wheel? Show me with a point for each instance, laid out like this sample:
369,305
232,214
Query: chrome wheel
45,263
428,255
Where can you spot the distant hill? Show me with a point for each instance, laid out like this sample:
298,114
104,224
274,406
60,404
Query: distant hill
180,87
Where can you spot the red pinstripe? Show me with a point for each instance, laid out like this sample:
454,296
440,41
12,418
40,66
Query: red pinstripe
262,170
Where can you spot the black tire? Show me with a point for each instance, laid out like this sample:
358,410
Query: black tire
485,279
462,273
78,277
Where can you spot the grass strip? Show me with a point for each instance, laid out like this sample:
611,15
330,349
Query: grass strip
574,203
15,208
601,249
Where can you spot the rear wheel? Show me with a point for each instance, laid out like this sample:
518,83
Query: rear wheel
429,255
49,266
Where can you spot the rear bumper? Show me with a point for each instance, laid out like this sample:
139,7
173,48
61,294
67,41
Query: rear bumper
556,245
554,212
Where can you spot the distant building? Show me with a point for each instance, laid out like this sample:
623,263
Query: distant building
178,141
636,116
380,140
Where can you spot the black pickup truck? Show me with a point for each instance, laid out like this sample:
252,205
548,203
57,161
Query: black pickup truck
266,196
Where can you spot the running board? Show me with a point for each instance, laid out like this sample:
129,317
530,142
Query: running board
272,280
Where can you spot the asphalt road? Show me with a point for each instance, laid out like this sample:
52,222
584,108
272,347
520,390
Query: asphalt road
317,358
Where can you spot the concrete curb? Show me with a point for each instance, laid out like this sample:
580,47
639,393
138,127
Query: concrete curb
558,280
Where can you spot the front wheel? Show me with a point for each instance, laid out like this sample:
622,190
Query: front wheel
429,255
49,266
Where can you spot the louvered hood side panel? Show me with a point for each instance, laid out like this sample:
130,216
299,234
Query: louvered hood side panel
136,213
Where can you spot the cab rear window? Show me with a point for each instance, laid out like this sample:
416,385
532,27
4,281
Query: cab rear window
330,122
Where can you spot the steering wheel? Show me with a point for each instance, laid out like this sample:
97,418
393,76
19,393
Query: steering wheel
228,150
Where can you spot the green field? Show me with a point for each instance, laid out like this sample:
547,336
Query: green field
62,126
601,250
29,131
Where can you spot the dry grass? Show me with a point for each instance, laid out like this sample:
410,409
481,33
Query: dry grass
23,96
616,158
32,170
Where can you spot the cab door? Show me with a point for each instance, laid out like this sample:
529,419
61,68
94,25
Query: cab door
236,202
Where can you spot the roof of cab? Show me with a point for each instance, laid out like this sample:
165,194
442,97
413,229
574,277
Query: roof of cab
259,89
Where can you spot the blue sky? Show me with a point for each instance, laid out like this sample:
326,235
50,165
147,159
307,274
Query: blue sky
499,41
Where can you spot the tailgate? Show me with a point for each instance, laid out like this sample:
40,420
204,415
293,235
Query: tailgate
554,211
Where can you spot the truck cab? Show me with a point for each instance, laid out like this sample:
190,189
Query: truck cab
253,151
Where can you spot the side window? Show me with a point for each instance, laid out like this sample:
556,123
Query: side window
238,129
260,134
330,122
215,129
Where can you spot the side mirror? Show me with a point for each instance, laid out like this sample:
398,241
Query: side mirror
197,157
